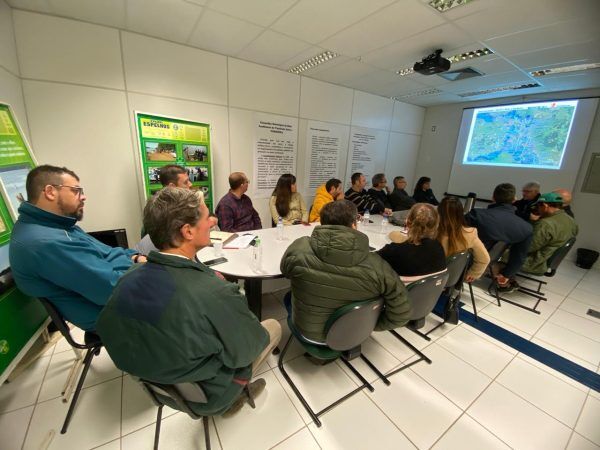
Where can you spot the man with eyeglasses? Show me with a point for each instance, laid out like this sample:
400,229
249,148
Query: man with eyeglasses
235,211
52,257
524,207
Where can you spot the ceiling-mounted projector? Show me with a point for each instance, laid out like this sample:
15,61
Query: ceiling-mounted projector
432,64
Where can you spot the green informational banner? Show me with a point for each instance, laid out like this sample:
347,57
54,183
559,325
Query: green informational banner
166,141
15,162
20,316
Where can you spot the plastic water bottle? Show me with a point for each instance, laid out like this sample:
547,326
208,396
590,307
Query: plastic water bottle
256,256
280,229
384,224
366,217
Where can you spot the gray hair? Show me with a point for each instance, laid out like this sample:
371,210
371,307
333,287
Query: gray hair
377,179
169,210
532,185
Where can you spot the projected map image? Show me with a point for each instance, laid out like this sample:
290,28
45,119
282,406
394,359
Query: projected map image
531,135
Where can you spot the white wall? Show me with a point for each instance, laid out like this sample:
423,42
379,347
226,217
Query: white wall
436,154
11,91
82,83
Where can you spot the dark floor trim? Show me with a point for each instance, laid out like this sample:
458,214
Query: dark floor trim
563,365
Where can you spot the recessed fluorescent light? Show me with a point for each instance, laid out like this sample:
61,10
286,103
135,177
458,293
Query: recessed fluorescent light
470,55
575,68
403,72
313,62
445,5
454,59
431,91
499,89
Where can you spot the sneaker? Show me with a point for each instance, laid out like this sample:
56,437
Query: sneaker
254,388
509,287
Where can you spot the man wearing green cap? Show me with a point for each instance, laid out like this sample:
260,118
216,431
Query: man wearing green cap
554,228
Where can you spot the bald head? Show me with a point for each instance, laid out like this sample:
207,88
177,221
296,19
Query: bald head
566,196
238,182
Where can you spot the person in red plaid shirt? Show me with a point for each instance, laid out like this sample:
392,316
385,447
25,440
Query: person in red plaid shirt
235,211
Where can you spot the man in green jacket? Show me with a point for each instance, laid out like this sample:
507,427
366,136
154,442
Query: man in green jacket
553,229
334,267
174,320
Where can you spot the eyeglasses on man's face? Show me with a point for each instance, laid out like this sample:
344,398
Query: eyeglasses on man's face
77,190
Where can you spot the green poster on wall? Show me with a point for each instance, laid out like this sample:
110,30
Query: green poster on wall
166,141
20,316
15,162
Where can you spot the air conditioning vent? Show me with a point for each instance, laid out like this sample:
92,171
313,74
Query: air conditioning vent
461,74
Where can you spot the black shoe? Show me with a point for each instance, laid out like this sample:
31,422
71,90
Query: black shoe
509,288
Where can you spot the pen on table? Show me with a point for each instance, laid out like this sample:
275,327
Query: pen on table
216,239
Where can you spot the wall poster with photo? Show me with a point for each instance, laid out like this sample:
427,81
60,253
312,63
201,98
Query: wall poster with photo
167,140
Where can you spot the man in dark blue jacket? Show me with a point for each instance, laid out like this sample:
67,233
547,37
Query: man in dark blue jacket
499,223
52,257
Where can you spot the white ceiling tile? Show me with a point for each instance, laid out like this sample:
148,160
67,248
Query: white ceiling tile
272,49
487,82
315,20
427,80
555,35
405,86
168,19
557,56
408,51
301,57
107,12
223,34
31,5
432,100
398,21
261,12
511,93
327,65
488,66
580,80
343,72
511,16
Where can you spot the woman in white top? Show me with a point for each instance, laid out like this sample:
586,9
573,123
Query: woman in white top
287,203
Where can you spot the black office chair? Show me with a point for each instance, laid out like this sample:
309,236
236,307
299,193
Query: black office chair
346,329
495,255
552,263
457,265
176,396
93,344
423,295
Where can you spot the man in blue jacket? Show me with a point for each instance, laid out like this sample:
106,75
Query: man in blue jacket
500,223
52,257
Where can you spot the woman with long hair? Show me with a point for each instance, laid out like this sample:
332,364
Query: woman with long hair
455,237
423,192
417,254
287,203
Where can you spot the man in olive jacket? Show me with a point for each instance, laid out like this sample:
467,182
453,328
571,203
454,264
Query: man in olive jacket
175,320
334,267
550,232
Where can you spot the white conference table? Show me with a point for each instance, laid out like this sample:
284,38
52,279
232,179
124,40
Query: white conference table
239,266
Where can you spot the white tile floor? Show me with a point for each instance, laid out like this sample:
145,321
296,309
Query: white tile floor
477,394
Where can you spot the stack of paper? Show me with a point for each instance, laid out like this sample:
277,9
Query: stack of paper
242,241
222,236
